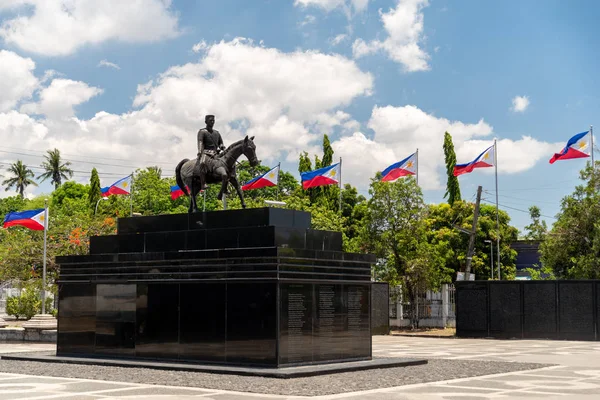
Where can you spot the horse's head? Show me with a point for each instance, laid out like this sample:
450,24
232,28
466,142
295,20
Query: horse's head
249,150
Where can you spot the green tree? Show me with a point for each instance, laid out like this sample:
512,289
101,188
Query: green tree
442,223
304,164
70,198
572,248
537,229
327,152
452,186
151,193
94,193
55,168
10,204
328,196
396,232
20,179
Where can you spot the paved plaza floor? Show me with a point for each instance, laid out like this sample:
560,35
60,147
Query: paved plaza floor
574,374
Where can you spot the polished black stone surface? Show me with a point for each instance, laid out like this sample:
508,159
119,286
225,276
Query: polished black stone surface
251,287
528,309
253,217
539,311
505,306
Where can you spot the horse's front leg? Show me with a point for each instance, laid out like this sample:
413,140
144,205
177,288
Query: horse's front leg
193,193
236,185
222,173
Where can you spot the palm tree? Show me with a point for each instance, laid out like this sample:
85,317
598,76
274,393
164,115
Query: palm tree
20,179
54,169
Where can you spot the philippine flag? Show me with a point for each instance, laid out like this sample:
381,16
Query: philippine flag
577,147
269,178
484,160
406,167
176,192
32,219
321,177
122,186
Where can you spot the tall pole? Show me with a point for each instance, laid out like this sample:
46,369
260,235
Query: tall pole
278,173
204,201
492,258
131,197
340,185
417,169
44,265
471,249
497,211
592,142
491,242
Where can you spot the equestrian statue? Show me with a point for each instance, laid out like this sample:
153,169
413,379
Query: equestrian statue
214,164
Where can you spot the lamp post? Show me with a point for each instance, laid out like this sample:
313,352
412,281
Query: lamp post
491,257
98,202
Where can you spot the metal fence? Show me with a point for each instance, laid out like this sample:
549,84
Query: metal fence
435,308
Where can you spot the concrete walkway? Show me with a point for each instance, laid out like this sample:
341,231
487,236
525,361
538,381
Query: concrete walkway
575,376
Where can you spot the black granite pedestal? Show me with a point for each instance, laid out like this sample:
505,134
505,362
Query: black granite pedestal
252,287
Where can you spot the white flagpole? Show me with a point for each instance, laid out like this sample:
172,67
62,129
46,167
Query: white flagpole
417,171
340,185
278,172
497,212
131,197
44,265
592,144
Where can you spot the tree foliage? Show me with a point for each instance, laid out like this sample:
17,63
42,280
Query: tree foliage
396,232
452,186
537,229
572,248
442,222
20,179
55,169
94,192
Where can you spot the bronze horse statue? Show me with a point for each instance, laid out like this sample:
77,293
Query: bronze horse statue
220,169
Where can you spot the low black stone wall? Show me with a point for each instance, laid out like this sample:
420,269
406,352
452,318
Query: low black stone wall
528,309
380,308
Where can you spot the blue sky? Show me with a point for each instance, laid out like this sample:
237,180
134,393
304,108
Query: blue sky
381,77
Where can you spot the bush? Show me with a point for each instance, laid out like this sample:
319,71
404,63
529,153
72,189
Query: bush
27,304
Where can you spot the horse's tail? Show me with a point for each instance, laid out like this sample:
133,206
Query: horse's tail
178,176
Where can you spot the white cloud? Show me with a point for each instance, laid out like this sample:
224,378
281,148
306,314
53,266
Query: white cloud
105,63
286,100
309,19
514,156
404,26
330,5
277,95
60,27
17,80
59,99
339,39
200,46
404,129
520,103
362,158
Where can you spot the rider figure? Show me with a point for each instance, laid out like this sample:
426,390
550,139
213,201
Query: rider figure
209,145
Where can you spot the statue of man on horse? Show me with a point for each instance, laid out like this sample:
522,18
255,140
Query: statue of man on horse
210,144
214,164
